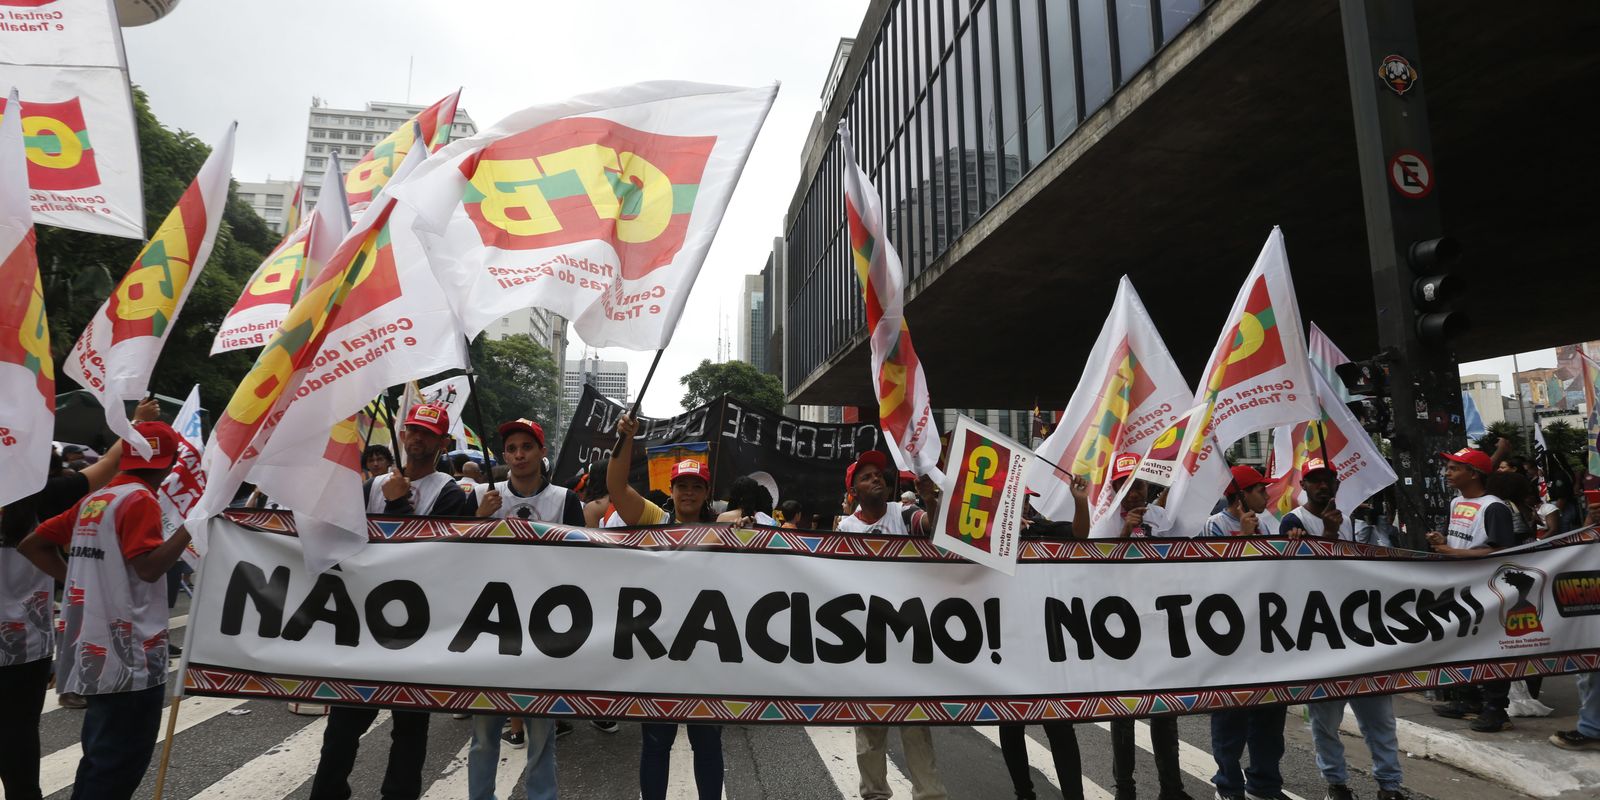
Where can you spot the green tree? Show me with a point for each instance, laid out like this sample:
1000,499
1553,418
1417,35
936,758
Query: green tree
513,377
80,269
1504,429
739,379
1567,442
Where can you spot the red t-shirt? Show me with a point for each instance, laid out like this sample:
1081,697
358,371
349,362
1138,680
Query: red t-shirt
138,521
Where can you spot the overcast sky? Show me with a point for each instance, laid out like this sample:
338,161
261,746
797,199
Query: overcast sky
260,63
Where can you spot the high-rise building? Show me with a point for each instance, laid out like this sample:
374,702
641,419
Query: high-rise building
610,378
350,133
753,327
1484,388
270,199
547,328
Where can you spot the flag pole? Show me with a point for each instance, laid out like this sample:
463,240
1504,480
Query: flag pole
477,409
394,431
639,398
166,747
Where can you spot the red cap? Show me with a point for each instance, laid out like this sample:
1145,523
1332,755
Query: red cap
876,458
1316,465
692,469
1477,459
163,441
430,416
522,425
1245,477
1123,465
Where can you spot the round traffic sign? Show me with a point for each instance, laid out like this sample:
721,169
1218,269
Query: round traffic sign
1410,174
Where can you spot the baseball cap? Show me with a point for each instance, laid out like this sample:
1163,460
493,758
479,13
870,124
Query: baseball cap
1245,478
163,441
875,458
1316,465
1123,465
430,416
522,425
692,469
1477,459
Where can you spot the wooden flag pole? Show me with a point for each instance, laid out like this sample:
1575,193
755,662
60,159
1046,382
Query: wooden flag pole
166,747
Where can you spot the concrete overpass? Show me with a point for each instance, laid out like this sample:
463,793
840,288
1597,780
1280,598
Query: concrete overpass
1242,121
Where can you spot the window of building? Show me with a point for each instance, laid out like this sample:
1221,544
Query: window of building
335,134
317,148
1094,37
273,201
372,137
971,123
372,122
991,126
1176,15
1135,40
1010,105
1063,61
247,197
335,120
318,133
1033,69
317,163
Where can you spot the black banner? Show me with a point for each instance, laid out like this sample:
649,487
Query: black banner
807,459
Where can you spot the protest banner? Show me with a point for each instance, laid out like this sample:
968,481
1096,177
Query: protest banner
1258,377
27,370
904,410
66,60
808,459
980,518
1131,391
178,493
116,354
600,208
1337,438
713,624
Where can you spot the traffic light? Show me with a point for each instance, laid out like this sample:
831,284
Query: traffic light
1370,377
1434,288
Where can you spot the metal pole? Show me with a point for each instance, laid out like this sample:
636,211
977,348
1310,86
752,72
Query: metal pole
1394,152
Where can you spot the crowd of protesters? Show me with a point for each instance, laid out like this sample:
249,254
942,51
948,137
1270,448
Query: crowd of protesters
95,533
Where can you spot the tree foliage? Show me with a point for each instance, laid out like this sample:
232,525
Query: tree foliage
80,269
1504,429
1567,442
739,379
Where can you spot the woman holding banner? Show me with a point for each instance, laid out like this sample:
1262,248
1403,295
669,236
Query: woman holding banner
690,491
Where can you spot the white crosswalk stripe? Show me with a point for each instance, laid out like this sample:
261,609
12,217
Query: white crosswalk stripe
837,748
281,769
1191,759
56,770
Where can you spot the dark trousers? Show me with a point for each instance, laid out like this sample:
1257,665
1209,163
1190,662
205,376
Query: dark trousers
119,736
1063,750
22,688
1163,740
408,748
1496,694
655,755
1258,730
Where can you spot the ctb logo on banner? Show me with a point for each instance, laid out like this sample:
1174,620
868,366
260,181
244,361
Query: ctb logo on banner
60,155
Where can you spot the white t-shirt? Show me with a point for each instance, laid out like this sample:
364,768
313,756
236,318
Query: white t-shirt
892,523
1467,530
424,493
27,626
546,505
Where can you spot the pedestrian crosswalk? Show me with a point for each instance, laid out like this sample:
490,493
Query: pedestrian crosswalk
260,751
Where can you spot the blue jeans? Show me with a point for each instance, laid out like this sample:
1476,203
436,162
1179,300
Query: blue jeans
119,736
655,759
538,777
1261,731
1375,715
1589,704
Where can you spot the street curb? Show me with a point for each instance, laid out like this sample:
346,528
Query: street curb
1538,769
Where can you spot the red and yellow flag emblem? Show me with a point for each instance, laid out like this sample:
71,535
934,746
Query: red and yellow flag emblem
60,155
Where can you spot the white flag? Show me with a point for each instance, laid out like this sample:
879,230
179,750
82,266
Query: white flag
373,318
452,393
1131,390
117,352
1325,356
1336,438
600,208
27,371
66,58
981,516
187,421
1258,377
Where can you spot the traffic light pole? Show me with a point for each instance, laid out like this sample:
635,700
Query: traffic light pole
1395,153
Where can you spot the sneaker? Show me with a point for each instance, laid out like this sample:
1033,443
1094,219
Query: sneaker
73,700
1492,720
563,728
604,725
1455,709
174,650
1573,740
458,716
514,738
1339,791
1394,794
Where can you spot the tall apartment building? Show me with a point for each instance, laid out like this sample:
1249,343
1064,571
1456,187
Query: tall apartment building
753,324
270,199
547,328
610,378
350,133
